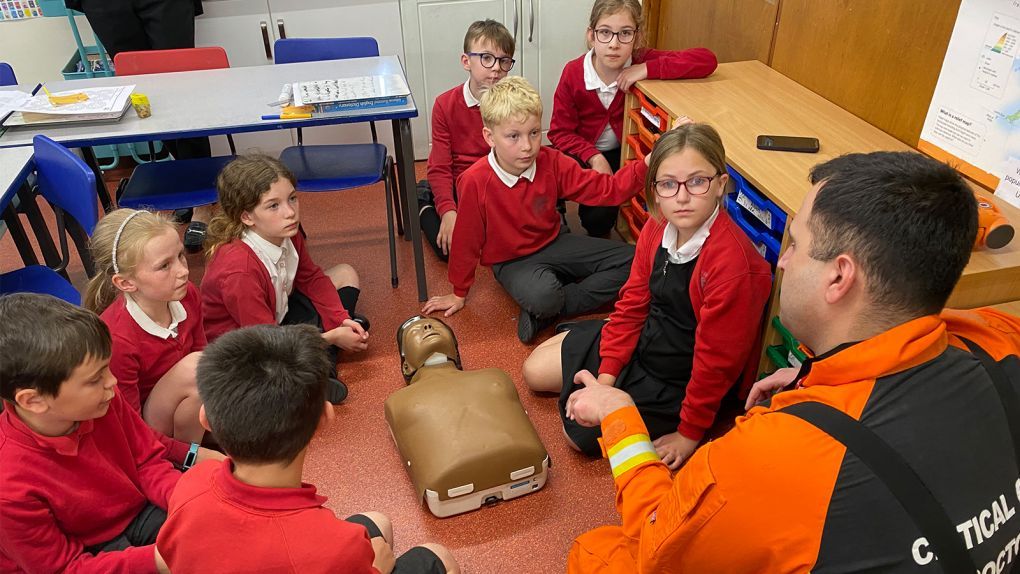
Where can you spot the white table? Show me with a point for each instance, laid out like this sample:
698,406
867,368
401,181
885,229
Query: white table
15,166
232,100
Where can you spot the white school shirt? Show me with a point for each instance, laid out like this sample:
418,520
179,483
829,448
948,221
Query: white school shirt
606,94
177,315
692,247
281,262
506,177
469,98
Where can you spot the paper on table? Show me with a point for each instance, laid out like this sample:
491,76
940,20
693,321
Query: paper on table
10,100
101,101
1009,185
349,89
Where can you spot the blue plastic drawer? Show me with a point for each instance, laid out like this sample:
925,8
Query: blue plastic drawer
756,205
760,237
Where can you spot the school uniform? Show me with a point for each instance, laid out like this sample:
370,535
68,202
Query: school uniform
283,529
143,351
510,223
457,143
684,333
62,495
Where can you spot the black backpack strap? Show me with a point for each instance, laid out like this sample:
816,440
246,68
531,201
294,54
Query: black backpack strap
1007,394
904,483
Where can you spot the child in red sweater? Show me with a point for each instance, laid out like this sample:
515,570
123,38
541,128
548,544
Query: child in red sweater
684,335
508,219
154,314
84,482
457,140
263,390
587,117
260,271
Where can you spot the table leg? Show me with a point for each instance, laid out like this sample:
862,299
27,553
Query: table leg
104,195
405,175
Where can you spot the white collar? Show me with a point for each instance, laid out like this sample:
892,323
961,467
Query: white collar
592,81
692,247
435,359
177,314
508,178
273,252
469,98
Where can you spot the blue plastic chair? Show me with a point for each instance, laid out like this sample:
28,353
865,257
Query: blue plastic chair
337,167
7,77
179,184
69,185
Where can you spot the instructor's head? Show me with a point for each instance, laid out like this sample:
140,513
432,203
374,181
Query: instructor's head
880,239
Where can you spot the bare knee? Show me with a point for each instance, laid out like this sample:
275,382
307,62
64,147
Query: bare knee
343,275
384,524
535,371
570,441
449,562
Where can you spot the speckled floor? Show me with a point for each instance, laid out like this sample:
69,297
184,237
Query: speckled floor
355,463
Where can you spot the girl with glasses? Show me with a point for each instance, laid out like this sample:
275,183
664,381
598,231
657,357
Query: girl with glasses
683,338
587,117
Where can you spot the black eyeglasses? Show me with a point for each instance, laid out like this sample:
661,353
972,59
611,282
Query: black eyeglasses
488,60
696,185
605,35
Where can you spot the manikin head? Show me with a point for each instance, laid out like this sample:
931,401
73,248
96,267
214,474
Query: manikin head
419,338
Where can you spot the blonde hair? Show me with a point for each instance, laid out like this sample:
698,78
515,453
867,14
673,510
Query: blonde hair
239,187
127,231
702,138
494,32
511,97
605,8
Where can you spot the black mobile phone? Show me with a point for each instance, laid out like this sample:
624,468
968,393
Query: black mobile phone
788,143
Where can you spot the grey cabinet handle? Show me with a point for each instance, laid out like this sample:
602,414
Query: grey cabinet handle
265,39
515,19
281,28
531,18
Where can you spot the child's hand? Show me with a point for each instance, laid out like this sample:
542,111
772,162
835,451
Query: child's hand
631,75
674,448
588,406
450,303
770,385
682,121
349,336
384,559
445,237
600,164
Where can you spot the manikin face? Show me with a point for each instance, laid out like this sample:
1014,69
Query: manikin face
424,337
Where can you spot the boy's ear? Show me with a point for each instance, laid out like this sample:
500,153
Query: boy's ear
31,400
123,283
203,419
465,61
326,418
487,134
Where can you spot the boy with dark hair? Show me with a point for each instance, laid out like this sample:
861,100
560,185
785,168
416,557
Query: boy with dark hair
84,482
457,140
264,395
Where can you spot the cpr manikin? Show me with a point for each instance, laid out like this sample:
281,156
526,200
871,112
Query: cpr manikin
464,436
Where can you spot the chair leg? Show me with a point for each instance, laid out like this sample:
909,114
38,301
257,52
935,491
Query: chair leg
392,181
19,236
390,193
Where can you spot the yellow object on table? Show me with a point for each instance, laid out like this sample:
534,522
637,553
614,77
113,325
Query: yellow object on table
141,104
68,99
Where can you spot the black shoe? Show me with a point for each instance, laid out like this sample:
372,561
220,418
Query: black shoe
336,391
565,326
361,320
182,216
528,326
194,237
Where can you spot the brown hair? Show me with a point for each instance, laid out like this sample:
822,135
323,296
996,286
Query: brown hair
603,8
239,187
140,229
702,138
492,31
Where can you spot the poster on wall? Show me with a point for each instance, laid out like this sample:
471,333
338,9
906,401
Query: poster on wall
973,120
19,9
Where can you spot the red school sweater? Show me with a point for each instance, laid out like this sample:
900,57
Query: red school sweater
496,223
579,118
283,529
729,289
238,292
61,494
457,143
139,359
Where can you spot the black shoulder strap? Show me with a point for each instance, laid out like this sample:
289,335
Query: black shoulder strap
905,485
1007,394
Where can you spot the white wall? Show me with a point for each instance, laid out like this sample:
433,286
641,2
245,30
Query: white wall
39,48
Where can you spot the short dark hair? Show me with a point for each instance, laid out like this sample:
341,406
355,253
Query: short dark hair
263,388
910,222
43,340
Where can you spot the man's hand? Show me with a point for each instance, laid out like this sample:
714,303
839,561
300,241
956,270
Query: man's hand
384,559
631,75
588,406
445,237
449,303
600,164
674,448
349,336
770,385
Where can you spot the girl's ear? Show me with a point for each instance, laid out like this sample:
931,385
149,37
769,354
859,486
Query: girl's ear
589,36
123,283
246,219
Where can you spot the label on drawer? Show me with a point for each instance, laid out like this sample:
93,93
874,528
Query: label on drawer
761,248
652,118
763,215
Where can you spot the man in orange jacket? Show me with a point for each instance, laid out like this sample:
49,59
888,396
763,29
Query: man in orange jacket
899,443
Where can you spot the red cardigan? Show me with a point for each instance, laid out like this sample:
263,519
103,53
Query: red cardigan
282,529
729,290
61,494
238,292
140,359
579,118
457,143
496,223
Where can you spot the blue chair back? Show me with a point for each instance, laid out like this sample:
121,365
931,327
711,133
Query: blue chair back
290,50
66,181
7,77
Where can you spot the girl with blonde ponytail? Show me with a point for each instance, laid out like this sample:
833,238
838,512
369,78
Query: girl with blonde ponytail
142,292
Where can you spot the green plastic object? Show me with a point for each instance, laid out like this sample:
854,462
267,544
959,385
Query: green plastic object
789,342
777,354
